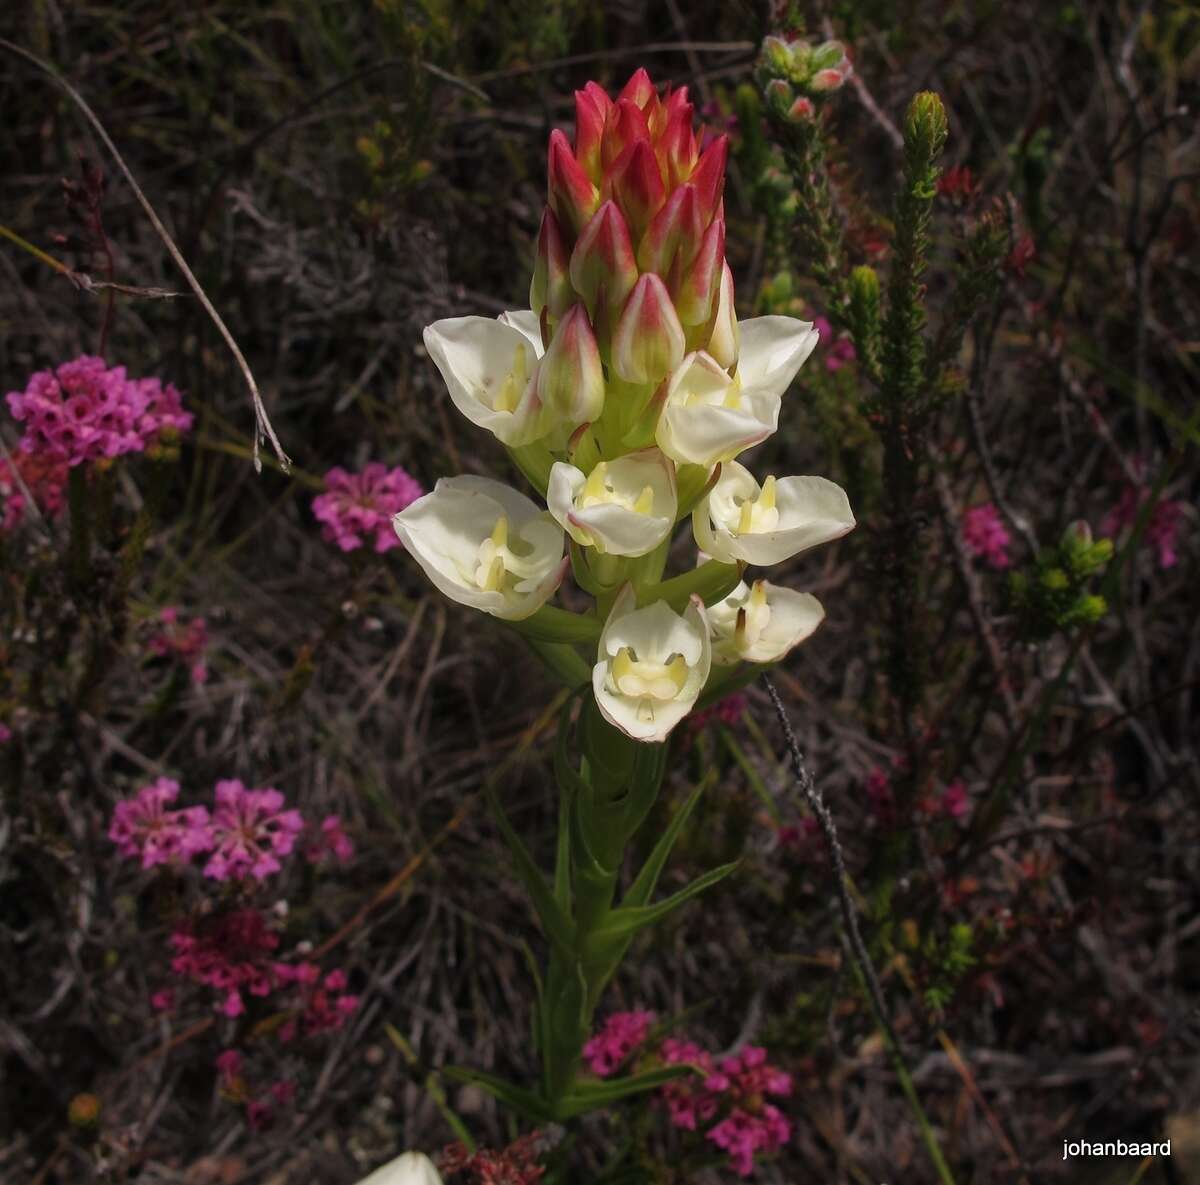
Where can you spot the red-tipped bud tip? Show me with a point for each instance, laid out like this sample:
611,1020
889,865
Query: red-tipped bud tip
573,197
637,186
550,287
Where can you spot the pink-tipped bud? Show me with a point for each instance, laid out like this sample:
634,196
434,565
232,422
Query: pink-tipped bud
550,287
603,268
648,342
675,234
624,126
637,187
695,297
639,89
709,177
573,197
724,343
828,80
590,114
801,111
570,379
677,148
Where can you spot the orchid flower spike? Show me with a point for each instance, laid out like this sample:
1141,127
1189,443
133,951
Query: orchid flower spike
623,507
485,545
412,1168
652,665
762,525
761,623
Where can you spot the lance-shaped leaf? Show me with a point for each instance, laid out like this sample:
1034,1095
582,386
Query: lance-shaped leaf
588,1096
627,921
555,923
524,1102
647,879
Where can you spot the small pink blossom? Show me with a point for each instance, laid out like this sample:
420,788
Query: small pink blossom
163,1000
360,506
43,479
728,711
840,352
184,642
5,733
1162,531
622,1033
955,803
143,827
881,797
986,536
231,953
259,1115
329,840
85,411
229,1066
250,830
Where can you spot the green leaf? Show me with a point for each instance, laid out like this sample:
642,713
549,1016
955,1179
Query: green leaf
535,462
524,1102
628,920
712,581
549,624
555,923
588,1096
641,889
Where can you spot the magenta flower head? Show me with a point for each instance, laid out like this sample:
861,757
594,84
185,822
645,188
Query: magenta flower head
249,832
622,1033
85,411
142,827
986,536
25,476
357,507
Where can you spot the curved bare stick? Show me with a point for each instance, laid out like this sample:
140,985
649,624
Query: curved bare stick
263,428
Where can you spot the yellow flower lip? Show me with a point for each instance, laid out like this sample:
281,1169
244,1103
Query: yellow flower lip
759,514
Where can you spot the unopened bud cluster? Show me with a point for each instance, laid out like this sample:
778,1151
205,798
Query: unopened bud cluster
794,72
623,394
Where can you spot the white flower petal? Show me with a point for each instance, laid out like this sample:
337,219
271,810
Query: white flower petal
525,321
625,507
488,367
774,619
485,545
740,520
652,666
772,350
413,1168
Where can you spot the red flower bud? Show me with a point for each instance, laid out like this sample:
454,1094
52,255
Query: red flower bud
624,126
695,297
551,284
639,89
603,263
570,381
592,106
637,186
677,148
573,197
674,235
648,342
709,177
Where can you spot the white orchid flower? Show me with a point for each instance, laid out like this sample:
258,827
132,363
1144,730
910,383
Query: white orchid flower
741,520
488,367
761,623
413,1168
623,507
709,416
485,545
652,665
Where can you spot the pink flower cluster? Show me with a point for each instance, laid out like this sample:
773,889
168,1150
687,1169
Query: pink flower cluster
729,711
85,411
43,478
840,352
737,1086
186,642
143,828
1162,531
953,802
245,834
622,1033
986,536
260,1112
728,1097
358,506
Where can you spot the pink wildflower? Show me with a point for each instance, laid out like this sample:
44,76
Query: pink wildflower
880,796
954,800
958,184
1162,531
229,1066
163,1000
1020,257
324,1004
363,504
689,1102
622,1033
986,536
5,733
187,643
259,1115
329,840
729,710
84,411
45,481
801,837
840,351
249,832
230,953
142,826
